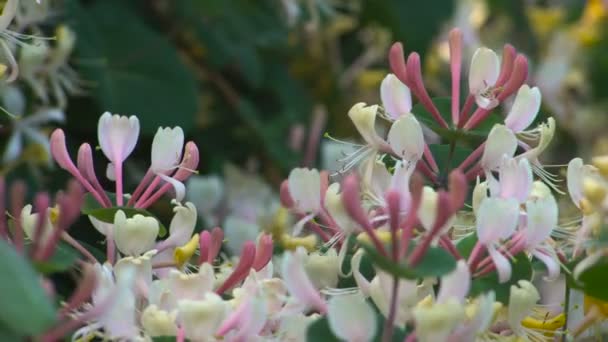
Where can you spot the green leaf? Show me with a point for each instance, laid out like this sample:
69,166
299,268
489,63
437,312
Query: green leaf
92,208
134,69
592,281
471,138
447,159
466,244
435,262
26,309
63,258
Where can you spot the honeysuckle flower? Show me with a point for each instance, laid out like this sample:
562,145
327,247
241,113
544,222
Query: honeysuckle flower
191,286
181,227
117,138
456,284
29,221
141,267
167,148
200,319
544,135
480,193
206,192
7,36
396,97
238,231
522,301
497,220
351,318
524,109
297,281
483,74
135,235
335,208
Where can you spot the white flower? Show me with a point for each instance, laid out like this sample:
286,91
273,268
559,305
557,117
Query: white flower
322,269
117,136
437,321
351,318
29,222
157,322
135,235
364,119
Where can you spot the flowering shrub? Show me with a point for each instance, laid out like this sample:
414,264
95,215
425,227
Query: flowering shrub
443,224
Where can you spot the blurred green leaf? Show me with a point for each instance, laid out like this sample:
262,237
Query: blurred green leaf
26,309
416,23
134,70
592,281
63,258
435,262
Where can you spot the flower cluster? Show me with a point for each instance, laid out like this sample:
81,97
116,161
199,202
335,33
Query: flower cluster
435,229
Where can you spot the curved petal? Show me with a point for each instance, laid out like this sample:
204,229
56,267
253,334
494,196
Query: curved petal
525,108
305,189
550,262
497,219
179,187
503,266
396,96
456,284
344,310
501,141
542,216
364,119
406,139
167,149
117,136
575,180
484,70
297,281
515,179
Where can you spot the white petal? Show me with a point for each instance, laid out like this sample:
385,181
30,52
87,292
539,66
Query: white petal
428,207
484,70
406,139
238,231
396,96
364,119
551,263
167,149
496,219
456,284
351,318
297,281
525,108
179,187
501,141
515,179
542,216
503,267
305,189
575,180
182,224
117,136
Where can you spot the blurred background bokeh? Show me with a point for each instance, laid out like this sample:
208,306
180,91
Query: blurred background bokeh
258,84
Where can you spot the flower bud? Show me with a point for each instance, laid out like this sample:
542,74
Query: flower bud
135,235
427,212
